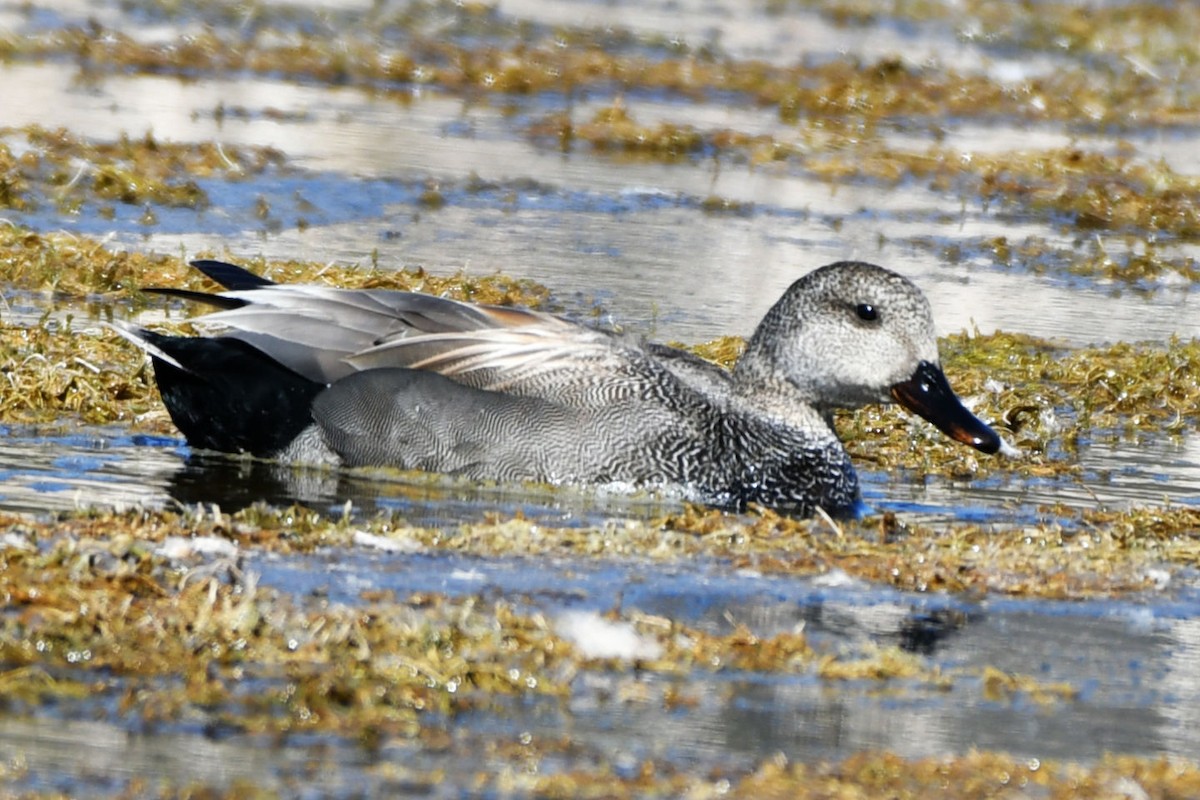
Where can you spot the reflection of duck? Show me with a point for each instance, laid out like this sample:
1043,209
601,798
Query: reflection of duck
374,377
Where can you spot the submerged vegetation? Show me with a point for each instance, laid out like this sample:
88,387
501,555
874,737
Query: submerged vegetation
108,589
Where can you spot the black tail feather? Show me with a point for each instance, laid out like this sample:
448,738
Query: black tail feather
230,396
197,297
231,276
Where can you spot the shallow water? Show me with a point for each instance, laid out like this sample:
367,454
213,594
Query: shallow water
1131,661
633,237
590,229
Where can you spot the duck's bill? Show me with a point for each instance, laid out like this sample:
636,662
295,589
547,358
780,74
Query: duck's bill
928,394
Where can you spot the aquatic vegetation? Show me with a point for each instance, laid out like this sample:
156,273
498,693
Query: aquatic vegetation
1091,191
1120,261
157,610
40,166
1047,398
1092,392
975,775
1096,191
1070,555
112,606
112,601
80,269
612,129
382,56
1131,31
50,379
126,606
1108,194
838,114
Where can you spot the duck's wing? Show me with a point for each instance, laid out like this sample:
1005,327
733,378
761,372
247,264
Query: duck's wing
549,358
313,329
331,324
326,334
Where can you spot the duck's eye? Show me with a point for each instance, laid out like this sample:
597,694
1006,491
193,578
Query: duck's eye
866,312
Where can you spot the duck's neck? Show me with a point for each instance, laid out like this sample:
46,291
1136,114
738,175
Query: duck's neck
762,364
759,372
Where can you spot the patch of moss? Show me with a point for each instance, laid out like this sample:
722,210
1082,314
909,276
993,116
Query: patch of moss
1068,554
1120,389
1142,33
1123,262
111,607
1097,191
380,56
114,602
102,602
841,110
977,775
77,268
51,379
724,351
973,775
68,170
613,130
1090,191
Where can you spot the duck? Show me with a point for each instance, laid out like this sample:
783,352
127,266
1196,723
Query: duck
310,374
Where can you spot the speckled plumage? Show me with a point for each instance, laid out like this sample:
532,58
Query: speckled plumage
375,377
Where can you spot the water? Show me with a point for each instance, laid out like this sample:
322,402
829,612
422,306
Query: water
634,237
587,228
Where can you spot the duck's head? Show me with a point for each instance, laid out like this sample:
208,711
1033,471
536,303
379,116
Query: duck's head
850,334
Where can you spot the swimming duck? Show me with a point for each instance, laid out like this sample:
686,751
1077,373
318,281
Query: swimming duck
360,377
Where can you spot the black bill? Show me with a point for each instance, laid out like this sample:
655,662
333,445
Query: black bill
928,394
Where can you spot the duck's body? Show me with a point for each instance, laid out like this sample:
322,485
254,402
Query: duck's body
376,377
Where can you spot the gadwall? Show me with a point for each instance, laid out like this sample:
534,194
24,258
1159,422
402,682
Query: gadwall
370,377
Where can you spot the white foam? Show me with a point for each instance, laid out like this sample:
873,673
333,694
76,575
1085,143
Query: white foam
596,637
